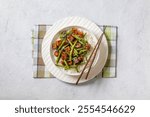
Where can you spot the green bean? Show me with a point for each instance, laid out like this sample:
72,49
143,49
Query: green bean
76,52
69,32
58,58
84,35
72,66
59,55
82,51
77,68
70,42
67,66
63,35
65,46
62,44
80,40
70,56
85,40
59,65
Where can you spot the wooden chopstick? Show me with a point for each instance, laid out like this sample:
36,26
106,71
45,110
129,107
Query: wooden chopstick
86,64
94,57
98,43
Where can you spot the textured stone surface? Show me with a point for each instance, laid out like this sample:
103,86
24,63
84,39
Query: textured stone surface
17,18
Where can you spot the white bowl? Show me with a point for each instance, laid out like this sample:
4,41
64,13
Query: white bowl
91,40
68,22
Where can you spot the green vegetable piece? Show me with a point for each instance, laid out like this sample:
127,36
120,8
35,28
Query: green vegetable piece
61,44
82,51
84,35
69,32
70,42
80,40
58,58
82,63
63,35
72,66
77,68
59,65
67,66
76,52
70,56
59,55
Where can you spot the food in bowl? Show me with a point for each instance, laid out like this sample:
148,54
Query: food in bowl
71,49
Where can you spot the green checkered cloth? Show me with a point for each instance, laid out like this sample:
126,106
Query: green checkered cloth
39,69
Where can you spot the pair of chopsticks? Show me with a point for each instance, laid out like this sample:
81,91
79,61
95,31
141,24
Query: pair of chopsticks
93,55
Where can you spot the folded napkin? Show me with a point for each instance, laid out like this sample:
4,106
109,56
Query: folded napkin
39,69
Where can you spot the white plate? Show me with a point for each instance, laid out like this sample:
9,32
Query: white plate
67,22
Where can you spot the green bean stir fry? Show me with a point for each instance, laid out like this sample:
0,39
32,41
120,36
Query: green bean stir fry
71,49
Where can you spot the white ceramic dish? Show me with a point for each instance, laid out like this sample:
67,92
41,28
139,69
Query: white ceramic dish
68,22
90,38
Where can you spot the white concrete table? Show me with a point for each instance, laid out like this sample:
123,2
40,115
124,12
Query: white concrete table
17,18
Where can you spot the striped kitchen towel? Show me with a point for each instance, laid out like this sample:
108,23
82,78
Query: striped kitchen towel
39,69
